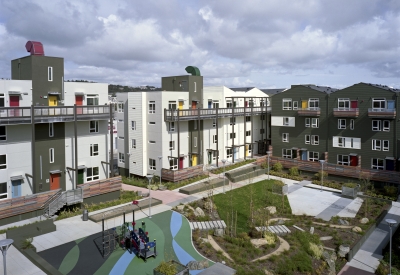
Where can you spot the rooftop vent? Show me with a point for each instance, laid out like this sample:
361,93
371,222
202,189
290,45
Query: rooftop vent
193,70
34,47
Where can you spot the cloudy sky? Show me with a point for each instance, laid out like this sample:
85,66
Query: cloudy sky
261,43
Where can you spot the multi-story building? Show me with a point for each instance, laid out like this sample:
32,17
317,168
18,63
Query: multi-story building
53,134
186,125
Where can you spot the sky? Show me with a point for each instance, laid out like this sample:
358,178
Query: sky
254,43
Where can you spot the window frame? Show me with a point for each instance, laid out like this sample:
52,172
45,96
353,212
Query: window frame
95,99
3,165
229,152
248,119
287,155
133,125
172,145
314,139
341,125
96,126
214,122
3,137
171,104
93,150
171,126
351,124
286,104
133,143
194,141
385,147
377,127
152,107
381,101
93,175
232,135
376,145
285,137
51,129
341,161
307,139
121,157
49,73
387,127
121,106
3,195
285,121
313,101
377,165
313,158
295,103
215,138
152,164
307,122
314,122
232,121
345,101
51,155
248,133
173,164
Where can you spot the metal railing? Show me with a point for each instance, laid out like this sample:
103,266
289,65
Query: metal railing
65,198
381,110
343,109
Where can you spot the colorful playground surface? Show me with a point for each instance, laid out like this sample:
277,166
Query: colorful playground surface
84,256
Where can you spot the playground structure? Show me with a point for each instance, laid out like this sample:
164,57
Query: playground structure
129,238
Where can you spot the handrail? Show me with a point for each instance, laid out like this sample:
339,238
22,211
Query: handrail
66,197
344,109
213,111
381,110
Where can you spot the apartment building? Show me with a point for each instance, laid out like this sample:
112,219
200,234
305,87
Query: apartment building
53,133
188,125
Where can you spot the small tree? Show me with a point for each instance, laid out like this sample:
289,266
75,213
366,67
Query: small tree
277,167
366,185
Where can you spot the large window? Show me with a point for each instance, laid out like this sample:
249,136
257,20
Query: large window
343,160
51,155
94,150
341,123
92,173
3,133
287,104
315,140
346,142
3,161
92,100
120,107
379,103
152,107
172,145
173,164
377,164
313,156
152,164
287,153
121,157
313,103
285,137
94,126
315,123
3,190
172,105
343,103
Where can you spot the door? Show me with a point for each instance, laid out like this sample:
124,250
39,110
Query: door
390,164
304,104
14,102
209,104
180,107
52,100
247,150
55,181
79,102
194,160
209,157
390,104
353,160
180,163
80,176
354,104
304,155
16,188
194,104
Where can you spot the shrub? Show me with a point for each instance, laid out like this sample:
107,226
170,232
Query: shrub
294,171
318,175
27,243
269,237
167,268
391,191
350,185
278,167
316,250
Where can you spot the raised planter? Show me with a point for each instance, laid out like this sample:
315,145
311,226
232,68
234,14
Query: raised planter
181,269
350,192
203,186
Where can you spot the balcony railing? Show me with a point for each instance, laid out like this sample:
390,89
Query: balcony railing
194,114
23,115
345,112
310,111
382,113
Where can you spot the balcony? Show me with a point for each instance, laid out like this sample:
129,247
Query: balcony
345,112
195,114
310,111
23,115
382,113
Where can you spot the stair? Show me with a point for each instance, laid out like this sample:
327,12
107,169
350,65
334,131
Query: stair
69,197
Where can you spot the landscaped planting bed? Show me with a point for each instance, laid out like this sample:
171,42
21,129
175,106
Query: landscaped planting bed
202,186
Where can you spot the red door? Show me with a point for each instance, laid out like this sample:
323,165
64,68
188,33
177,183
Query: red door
354,104
14,102
180,163
353,160
55,181
194,103
79,102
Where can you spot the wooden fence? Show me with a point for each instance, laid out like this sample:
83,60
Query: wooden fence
100,187
183,174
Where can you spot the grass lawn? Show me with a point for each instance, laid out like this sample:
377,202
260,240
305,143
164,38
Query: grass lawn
239,200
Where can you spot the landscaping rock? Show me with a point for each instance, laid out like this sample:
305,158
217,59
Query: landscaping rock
343,250
357,229
271,209
330,258
326,238
223,262
343,222
218,232
312,230
199,212
280,222
208,205
190,208
197,265
258,242
180,207
364,220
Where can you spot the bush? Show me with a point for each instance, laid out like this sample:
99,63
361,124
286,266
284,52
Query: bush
316,250
391,191
350,185
167,268
294,171
278,167
318,175
27,243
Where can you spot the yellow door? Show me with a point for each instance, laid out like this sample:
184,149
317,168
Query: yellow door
180,105
304,104
194,160
247,150
52,100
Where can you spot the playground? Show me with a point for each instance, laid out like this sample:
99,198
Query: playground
88,256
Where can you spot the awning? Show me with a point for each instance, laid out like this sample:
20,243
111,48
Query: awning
54,93
55,172
79,93
390,158
353,154
294,148
81,167
303,149
19,177
14,93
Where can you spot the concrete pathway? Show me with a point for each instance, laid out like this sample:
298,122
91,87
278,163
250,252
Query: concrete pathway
218,248
282,247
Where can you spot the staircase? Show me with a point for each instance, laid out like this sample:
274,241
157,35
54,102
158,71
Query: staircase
60,199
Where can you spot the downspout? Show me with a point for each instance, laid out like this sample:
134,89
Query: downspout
251,125
216,125
179,141
244,118
111,160
327,119
395,130
33,150
76,149
233,131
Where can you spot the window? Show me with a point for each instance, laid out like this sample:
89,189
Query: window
121,157
228,153
285,137
295,105
133,143
50,73
343,103
171,126
287,104
195,125
343,160
173,164
120,107
3,161
313,103
307,139
248,118
341,123
379,103
248,133
92,173
172,105
195,142
313,156
351,124
152,141
152,107
346,142
376,125
92,100
314,122
250,148
3,190
376,144
314,140
214,155
385,145
94,126
215,104
51,155
152,123
3,133
152,164
214,123
377,164
285,121
133,125
172,145
232,121
195,87
262,131
2,101
232,135
341,142
229,104
94,150
386,126
307,121
215,138
51,129
287,153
